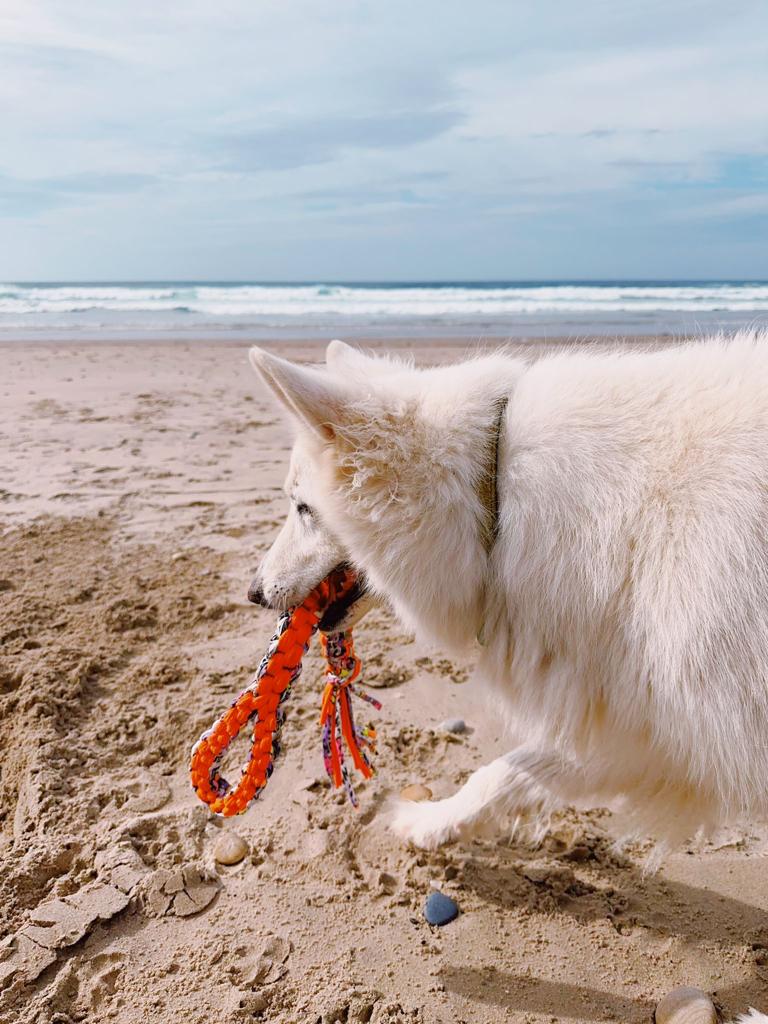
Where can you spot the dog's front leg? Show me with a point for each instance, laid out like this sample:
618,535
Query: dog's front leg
523,785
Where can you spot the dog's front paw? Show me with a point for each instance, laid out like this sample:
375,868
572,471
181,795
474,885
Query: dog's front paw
426,824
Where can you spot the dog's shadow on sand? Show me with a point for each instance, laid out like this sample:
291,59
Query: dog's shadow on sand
611,889
559,1000
554,999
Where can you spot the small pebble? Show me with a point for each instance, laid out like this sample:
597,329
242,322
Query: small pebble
387,883
440,909
579,852
230,848
686,1006
455,725
416,792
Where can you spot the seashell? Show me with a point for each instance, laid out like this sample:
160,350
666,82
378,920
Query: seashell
686,1005
416,792
230,848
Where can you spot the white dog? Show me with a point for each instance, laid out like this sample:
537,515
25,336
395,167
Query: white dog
598,520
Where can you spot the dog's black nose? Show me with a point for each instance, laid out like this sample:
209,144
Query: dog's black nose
256,594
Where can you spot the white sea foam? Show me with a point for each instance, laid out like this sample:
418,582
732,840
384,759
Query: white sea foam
179,306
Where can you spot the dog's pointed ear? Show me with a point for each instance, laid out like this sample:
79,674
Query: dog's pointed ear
312,395
338,353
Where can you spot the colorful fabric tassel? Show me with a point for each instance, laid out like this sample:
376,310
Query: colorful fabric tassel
337,718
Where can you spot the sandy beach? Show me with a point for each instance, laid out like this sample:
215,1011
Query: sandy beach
140,485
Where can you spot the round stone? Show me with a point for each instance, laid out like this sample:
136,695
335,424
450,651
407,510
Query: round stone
686,1005
440,909
230,848
455,725
416,792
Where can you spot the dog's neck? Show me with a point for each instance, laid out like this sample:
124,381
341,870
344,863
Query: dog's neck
488,490
424,512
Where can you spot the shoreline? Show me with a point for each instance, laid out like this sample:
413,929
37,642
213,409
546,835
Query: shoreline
387,336
421,344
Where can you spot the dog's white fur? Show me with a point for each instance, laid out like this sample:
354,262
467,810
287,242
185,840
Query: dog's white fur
624,606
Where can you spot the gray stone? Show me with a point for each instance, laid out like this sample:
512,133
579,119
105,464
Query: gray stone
440,909
454,725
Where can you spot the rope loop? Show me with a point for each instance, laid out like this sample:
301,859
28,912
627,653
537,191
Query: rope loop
261,706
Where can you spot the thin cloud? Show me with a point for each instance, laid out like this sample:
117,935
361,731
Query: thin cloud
24,198
95,183
319,141
732,208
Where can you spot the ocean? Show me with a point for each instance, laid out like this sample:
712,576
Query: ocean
150,309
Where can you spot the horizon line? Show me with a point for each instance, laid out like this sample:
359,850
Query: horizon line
367,282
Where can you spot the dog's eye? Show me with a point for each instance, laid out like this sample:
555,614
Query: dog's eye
303,509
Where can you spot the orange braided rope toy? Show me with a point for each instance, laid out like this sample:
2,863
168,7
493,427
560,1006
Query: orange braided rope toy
262,703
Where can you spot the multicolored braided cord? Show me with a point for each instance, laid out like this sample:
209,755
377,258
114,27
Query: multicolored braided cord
336,715
261,704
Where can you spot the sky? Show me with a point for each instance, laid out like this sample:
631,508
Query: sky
341,140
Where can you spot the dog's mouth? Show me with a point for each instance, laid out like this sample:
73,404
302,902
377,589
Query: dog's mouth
343,611
346,609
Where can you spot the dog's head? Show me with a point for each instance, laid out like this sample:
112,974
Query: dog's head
306,549
384,476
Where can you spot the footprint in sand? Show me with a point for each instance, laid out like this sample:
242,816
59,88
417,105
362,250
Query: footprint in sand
101,980
265,965
147,793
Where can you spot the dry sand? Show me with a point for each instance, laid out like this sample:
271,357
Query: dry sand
140,484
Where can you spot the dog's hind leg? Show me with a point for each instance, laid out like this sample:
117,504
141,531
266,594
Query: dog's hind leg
524,784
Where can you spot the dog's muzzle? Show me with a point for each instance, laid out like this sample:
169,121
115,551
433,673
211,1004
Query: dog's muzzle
336,614
256,593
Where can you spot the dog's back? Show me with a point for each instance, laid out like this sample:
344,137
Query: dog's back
633,562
